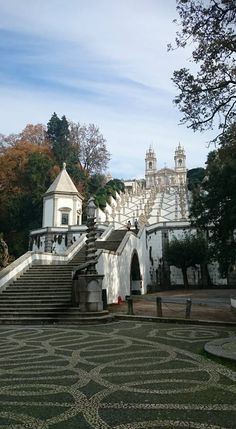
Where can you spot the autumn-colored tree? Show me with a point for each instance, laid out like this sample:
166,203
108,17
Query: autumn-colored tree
35,134
25,173
13,162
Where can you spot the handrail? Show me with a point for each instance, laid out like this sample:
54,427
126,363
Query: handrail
16,268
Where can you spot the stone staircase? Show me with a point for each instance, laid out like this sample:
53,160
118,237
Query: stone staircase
42,295
113,241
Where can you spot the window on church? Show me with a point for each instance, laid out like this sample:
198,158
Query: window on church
64,218
180,161
150,165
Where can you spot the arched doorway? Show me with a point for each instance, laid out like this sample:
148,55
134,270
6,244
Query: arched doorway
135,275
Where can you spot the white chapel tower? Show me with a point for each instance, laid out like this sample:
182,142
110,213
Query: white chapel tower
62,203
180,164
150,168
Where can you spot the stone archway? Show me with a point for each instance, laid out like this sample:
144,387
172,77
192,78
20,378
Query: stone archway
135,275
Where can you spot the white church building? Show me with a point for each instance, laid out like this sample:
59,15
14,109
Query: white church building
131,260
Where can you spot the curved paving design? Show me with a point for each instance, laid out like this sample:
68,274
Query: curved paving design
126,375
225,347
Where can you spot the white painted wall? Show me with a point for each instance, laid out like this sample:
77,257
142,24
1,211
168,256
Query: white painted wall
116,266
52,209
47,212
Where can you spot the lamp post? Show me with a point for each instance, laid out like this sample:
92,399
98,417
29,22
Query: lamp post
91,237
87,283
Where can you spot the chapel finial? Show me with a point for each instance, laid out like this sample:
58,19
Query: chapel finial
64,165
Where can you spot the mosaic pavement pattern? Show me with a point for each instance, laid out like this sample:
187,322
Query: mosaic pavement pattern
125,375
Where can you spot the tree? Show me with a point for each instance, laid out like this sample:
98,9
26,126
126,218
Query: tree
58,135
95,183
8,141
186,252
4,256
194,177
213,205
102,190
94,155
210,92
25,173
35,134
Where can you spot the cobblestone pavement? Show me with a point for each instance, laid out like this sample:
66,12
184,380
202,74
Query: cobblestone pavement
123,375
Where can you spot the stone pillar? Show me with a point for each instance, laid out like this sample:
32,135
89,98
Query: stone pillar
55,211
74,214
87,292
48,241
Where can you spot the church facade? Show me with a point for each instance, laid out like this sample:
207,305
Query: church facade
166,177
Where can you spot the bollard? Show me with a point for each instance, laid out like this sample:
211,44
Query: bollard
159,306
130,305
104,299
188,308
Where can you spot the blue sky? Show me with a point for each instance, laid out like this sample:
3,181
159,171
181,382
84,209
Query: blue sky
102,62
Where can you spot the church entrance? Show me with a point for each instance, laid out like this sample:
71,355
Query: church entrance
135,276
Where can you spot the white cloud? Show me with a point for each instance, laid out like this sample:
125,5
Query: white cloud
117,52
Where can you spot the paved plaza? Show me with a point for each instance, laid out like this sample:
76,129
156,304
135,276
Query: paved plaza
123,375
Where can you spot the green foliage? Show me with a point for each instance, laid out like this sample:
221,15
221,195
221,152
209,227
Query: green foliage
95,183
117,185
186,252
21,213
207,94
195,177
58,134
103,193
36,176
214,204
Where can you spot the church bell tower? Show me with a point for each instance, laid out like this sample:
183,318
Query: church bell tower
180,164
150,168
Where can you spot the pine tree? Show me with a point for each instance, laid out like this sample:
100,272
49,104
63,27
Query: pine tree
58,134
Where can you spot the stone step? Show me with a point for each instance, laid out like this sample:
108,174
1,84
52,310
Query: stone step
42,295
37,286
39,277
50,271
27,305
36,292
39,312
50,267
36,300
38,289
47,274
54,320
45,282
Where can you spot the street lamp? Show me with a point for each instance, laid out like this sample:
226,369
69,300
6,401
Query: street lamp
87,283
91,208
91,237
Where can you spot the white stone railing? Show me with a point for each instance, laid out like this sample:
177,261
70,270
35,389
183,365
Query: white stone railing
126,239
14,270
106,233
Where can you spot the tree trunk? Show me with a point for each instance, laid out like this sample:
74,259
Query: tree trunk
205,276
185,277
